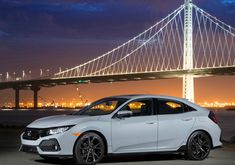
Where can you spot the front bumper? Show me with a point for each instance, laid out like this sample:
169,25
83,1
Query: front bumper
53,145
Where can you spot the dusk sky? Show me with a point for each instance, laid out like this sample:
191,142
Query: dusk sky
49,34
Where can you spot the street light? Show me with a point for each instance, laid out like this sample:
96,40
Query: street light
30,74
48,70
14,76
0,77
40,72
7,76
23,74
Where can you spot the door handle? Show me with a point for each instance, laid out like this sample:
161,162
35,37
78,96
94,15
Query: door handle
187,119
151,122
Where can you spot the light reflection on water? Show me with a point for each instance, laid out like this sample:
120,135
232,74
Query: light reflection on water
49,109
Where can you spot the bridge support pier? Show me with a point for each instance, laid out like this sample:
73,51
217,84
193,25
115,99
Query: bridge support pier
35,90
188,80
188,87
17,98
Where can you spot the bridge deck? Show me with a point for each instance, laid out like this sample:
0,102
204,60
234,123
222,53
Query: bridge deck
28,84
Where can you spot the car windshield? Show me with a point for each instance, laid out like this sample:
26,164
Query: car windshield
102,107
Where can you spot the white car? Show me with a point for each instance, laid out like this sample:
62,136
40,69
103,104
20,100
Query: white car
125,124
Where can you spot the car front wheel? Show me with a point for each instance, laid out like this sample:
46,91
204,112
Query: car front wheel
198,146
89,149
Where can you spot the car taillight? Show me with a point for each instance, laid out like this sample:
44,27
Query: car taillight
212,117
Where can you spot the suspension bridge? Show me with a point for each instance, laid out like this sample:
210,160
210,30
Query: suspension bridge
187,43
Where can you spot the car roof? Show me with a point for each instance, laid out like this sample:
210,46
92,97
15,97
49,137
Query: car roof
138,96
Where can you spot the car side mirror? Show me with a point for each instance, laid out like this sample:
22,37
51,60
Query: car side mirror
123,114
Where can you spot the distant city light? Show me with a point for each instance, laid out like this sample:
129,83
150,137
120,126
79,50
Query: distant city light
74,104
217,104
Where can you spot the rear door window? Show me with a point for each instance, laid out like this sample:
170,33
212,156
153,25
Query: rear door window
169,107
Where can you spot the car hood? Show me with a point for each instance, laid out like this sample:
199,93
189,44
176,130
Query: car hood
60,120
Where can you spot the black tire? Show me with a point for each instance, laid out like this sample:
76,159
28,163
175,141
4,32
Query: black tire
198,146
89,149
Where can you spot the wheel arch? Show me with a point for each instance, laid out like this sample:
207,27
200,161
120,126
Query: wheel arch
98,133
206,132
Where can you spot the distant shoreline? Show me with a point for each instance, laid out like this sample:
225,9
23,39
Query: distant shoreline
40,109
77,109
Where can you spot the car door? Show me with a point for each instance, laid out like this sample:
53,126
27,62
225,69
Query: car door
174,124
137,133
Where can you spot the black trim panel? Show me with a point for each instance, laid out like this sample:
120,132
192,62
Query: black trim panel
29,149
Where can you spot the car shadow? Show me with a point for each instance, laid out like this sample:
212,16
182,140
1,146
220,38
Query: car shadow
121,159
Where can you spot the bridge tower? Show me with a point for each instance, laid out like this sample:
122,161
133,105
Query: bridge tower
188,80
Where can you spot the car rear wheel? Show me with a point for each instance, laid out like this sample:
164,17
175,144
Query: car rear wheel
89,149
198,146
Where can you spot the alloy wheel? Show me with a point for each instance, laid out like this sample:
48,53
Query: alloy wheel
89,149
199,146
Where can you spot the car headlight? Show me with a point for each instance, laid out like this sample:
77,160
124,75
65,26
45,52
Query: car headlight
58,130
